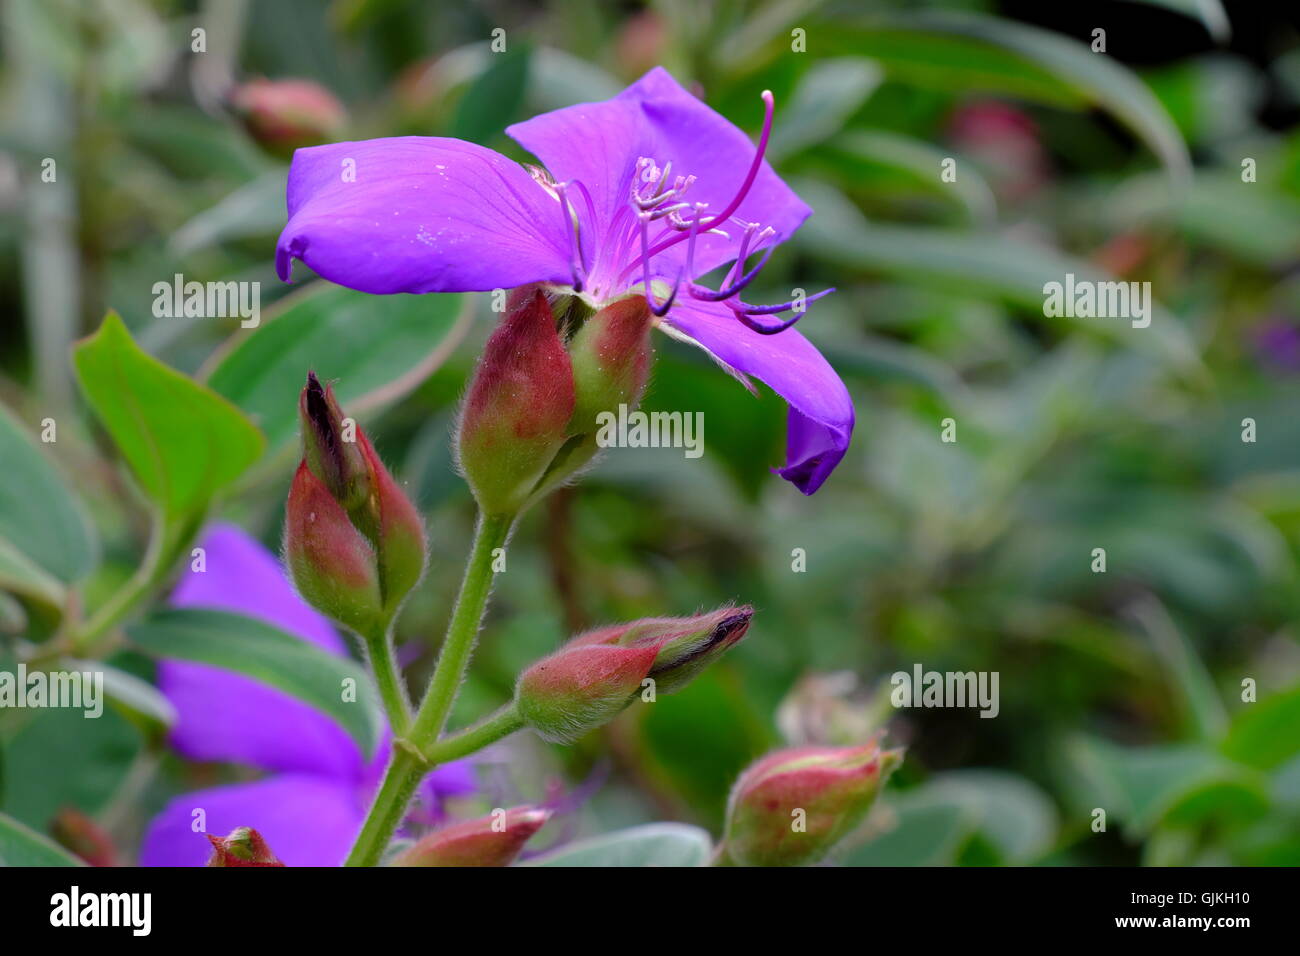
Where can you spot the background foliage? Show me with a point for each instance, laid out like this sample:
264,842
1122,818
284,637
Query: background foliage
1120,690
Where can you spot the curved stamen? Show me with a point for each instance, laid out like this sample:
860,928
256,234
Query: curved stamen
769,106
768,329
743,307
658,310
708,295
576,264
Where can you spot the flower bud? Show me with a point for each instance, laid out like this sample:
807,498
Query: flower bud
791,807
516,415
243,847
353,540
611,360
283,115
494,840
596,675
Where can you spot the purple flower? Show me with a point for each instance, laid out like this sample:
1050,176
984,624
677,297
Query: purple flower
312,805
642,194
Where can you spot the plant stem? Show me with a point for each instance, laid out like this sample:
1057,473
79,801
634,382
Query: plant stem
490,534
407,767
164,545
487,731
383,664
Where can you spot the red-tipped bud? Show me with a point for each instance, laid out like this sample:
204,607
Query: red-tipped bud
792,807
283,115
596,675
243,847
494,840
516,415
353,541
611,360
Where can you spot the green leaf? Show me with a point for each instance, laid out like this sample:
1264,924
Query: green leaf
1143,786
1266,734
826,96
255,649
138,700
655,844
21,846
959,52
881,161
37,511
978,264
492,100
19,574
1185,669
183,442
375,348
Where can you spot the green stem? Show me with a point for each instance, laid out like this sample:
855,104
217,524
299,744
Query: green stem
490,534
383,664
407,767
164,543
487,731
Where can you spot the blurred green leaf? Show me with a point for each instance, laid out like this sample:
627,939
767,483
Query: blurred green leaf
879,161
979,264
21,575
957,51
826,96
255,649
1266,734
655,844
375,348
256,208
37,511
493,99
22,846
183,441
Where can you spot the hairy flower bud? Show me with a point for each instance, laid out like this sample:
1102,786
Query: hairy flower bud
791,807
353,540
596,675
244,846
494,840
516,415
283,115
611,360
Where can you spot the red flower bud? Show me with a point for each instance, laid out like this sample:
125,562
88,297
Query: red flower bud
516,416
353,540
791,807
283,115
494,840
243,847
596,675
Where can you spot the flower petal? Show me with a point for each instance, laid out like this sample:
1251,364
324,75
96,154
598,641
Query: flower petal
307,820
821,411
420,214
227,717
600,143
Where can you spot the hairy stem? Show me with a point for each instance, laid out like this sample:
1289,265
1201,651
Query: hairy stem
419,751
383,664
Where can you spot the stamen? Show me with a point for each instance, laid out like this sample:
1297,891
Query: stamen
576,263
709,295
658,310
743,310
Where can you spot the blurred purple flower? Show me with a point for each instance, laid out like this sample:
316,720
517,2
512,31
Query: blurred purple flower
1277,342
313,803
606,217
